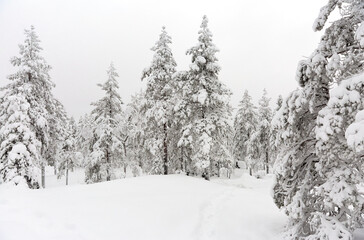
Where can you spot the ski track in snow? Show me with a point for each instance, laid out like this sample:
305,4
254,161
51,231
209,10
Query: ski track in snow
209,214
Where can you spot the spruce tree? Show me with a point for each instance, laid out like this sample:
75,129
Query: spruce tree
245,123
134,142
106,144
316,172
19,148
159,93
67,157
274,137
206,104
264,130
33,77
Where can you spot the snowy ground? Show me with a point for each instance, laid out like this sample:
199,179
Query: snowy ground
150,207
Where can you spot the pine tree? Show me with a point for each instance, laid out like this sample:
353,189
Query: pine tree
316,177
106,145
160,89
244,126
33,77
206,104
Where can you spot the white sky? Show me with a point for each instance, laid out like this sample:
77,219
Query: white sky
260,42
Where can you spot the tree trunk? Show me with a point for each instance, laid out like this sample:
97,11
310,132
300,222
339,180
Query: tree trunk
43,175
107,166
125,165
267,162
67,172
165,150
250,171
182,161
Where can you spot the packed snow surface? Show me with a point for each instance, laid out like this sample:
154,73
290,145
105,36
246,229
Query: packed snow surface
148,207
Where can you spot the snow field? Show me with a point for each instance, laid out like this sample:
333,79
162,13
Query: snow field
150,207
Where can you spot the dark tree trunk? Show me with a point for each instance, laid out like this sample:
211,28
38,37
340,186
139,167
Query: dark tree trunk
124,146
165,150
250,171
266,162
67,172
108,165
43,175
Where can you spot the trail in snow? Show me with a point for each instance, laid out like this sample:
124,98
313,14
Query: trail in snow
209,214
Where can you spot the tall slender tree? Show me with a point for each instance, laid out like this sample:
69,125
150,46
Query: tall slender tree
264,129
244,126
106,145
206,103
159,93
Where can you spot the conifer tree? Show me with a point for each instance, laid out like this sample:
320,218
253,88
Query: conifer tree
134,124
274,137
106,144
160,89
206,103
33,77
19,148
316,177
244,126
264,130
67,152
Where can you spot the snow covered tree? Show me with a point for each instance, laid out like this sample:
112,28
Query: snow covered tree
340,148
159,93
264,129
274,138
135,152
316,171
258,145
67,157
107,146
206,103
33,77
245,123
19,148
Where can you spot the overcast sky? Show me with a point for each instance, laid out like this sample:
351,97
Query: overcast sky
260,42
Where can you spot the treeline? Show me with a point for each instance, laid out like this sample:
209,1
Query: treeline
181,123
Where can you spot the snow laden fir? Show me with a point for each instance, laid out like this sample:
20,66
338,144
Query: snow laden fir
183,123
